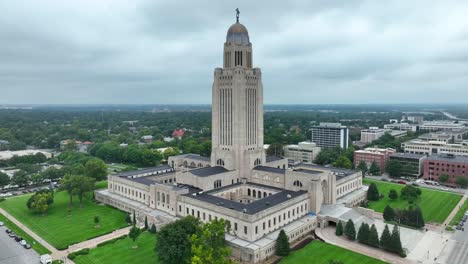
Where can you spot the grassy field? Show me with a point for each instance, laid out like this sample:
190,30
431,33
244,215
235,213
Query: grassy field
61,227
460,214
122,252
435,205
321,253
101,185
40,249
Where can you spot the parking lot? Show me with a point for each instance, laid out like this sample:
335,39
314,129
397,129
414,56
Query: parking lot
11,252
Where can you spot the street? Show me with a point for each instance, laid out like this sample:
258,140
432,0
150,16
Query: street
11,252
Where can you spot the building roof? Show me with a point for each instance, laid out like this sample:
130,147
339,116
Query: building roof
238,34
208,171
270,169
145,170
448,157
272,159
338,172
250,208
197,157
407,155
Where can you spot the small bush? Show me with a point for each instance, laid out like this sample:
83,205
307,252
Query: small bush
2,199
111,241
84,251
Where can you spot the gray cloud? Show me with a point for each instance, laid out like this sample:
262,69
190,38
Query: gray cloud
146,51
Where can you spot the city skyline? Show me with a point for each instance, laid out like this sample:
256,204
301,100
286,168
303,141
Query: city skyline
141,52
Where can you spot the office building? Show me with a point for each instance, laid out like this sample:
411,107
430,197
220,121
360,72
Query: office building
330,135
305,152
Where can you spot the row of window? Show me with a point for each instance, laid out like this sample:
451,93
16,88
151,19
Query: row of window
128,192
348,187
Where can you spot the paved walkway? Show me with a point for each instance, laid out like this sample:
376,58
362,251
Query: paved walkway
62,254
328,235
454,211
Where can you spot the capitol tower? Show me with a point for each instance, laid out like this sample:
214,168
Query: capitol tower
237,106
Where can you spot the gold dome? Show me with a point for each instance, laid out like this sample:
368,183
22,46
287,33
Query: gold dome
238,34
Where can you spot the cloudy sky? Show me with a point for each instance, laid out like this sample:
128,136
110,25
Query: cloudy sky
310,52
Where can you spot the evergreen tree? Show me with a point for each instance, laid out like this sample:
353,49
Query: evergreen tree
153,229
362,167
393,194
374,169
350,231
128,219
395,242
363,233
339,229
385,238
373,192
134,218
146,222
282,244
373,239
389,213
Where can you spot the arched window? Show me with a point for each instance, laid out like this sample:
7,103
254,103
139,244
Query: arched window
200,165
297,183
185,163
217,184
257,162
254,193
192,164
248,192
163,198
220,162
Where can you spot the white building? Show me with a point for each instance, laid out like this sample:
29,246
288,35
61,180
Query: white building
402,126
441,125
419,146
371,134
304,152
7,154
259,196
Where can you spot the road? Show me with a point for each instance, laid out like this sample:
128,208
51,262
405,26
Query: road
11,252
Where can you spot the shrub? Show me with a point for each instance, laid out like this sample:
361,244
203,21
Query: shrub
111,241
84,251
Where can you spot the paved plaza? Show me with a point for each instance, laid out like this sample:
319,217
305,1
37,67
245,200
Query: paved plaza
11,252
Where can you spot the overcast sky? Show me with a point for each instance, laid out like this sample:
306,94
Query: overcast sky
158,52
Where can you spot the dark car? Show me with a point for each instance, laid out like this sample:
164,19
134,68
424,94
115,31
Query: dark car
8,231
18,239
459,227
27,246
12,234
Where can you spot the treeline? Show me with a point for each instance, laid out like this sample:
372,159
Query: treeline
26,159
338,157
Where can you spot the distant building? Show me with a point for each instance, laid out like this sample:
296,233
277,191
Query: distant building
4,142
398,133
79,146
412,164
370,155
453,166
441,125
168,139
414,118
447,136
178,133
7,154
304,152
330,135
418,146
402,126
147,138
371,134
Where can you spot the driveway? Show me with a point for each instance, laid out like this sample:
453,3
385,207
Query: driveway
11,252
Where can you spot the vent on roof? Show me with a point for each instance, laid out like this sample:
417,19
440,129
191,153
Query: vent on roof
288,196
244,210
194,194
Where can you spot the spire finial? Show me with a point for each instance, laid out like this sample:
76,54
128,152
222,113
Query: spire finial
237,15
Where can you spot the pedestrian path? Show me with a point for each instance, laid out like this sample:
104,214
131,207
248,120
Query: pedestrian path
454,211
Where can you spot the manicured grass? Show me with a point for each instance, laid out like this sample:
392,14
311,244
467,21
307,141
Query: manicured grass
122,252
40,249
435,205
321,253
460,213
61,227
101,185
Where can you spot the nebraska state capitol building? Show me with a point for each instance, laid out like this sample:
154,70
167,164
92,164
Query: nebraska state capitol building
258,195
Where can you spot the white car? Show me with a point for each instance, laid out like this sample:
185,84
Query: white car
23,242
444,189
1,223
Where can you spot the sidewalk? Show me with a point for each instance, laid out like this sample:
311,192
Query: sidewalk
454,211
328,235
61,254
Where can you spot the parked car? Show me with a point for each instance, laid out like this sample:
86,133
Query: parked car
8,231
46,259
401,182
444,189
23,242
415,184
1,223
459,227
27,246
18,239
12,234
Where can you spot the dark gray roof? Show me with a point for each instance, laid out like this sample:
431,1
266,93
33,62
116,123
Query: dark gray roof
407,155
308,171
270,169
451,158
250,208
145,170
339,172
272,158
208,171
197,157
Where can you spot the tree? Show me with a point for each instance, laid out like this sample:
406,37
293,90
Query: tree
67,184
395,242
282,244
133,234
363,233
153,229
343,162
410,193
134,218
385,238
275,149
461,181
173,244
339,229
373,239
350,231
128,219
443,178
362,167
96,168
393,194
389,213
97,220
20,178
146,222
209,245
374,169
373,193
4,180
40,201
82,185
394,168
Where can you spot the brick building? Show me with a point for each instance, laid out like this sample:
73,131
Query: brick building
369,155
451,165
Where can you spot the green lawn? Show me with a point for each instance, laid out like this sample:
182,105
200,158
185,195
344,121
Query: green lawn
121,251
61,228
435,205
321,253
101,185
40,249
460,214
